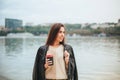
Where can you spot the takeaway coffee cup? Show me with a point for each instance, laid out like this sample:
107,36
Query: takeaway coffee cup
50,59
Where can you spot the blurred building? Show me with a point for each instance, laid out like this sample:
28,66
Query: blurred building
118,20
118,24
2,28
13,23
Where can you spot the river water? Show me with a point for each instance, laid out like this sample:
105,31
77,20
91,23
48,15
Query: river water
97,58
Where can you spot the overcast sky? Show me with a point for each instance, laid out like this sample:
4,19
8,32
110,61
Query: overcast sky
65,11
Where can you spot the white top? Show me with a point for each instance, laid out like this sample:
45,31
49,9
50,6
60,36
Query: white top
57,70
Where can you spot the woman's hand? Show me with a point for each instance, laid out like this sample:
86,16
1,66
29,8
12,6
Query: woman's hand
66,54
48,63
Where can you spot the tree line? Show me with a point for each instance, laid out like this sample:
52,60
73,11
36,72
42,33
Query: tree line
70,29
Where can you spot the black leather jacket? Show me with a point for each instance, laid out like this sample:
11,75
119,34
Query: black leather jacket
39,70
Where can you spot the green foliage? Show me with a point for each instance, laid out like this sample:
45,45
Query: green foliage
3,33
113,30
37,30
88,27
70,27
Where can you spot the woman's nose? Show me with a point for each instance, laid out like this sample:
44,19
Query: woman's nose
63,34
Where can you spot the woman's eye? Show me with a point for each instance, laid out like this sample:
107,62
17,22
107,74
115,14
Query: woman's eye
61,31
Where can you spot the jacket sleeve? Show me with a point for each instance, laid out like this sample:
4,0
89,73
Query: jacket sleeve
72,65
38,69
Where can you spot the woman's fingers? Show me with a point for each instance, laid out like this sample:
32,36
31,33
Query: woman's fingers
66,54
47,63
66,57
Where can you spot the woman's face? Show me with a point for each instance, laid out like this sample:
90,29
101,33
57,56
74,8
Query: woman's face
61,34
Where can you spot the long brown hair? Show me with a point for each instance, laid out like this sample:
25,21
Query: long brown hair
53,33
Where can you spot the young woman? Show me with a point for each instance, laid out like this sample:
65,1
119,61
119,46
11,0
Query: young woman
55,60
